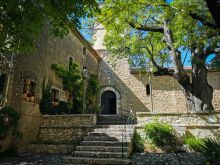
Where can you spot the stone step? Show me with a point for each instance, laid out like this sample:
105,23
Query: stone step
107,138
112,130
50,148
104,143
110,119
115,126
111,134
100,154
102,148
97,161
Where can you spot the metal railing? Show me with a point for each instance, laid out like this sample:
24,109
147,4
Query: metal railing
129,124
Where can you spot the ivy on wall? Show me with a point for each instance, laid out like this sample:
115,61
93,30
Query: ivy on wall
73,82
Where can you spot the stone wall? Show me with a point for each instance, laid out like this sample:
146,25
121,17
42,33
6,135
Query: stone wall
199,124
167,95
50,50
29,124
61,133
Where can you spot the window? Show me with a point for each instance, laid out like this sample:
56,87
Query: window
29,91
2,87
55,97
84,51
148,89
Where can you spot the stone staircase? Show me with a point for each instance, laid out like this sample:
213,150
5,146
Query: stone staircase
61,133
111,120
106,144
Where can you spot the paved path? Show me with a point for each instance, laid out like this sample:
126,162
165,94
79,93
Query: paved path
136,159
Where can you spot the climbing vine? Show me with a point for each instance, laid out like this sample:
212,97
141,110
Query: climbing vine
73,82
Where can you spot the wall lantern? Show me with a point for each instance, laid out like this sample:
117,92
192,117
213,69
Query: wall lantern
84,73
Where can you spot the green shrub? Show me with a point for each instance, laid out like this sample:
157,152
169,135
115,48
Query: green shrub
138,143
46,99
9,119
193,142
159,133
93,109
211,149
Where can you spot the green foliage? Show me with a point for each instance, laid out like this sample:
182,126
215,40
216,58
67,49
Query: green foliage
73,82
160,133
93,85
12,151
93,109
22,21
138,143
93,88
193,142
9,119
46,99
122,39
211,149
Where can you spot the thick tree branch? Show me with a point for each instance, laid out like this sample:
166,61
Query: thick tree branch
160,70
139,26
214,7
203,20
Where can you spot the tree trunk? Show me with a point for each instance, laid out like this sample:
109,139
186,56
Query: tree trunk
198,92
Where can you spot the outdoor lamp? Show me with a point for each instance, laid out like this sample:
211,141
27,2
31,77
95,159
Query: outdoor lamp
84,72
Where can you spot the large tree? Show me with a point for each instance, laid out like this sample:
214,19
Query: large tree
164,30
21,21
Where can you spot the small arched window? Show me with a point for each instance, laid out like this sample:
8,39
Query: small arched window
148,89
84,50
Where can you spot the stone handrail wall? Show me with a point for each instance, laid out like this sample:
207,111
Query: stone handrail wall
198,124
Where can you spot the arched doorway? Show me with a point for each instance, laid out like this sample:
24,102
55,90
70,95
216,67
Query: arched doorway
108,102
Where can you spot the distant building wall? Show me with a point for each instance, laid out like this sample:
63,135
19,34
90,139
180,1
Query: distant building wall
167,95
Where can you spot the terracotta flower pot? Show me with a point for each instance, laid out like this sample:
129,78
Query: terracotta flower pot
32,99
27,99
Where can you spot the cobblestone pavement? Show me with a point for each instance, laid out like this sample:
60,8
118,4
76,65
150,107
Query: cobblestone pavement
136,159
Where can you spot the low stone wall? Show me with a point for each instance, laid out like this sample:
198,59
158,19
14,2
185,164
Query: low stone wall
61,133
68,120
199,124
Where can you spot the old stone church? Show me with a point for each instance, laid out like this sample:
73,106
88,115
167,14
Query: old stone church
123,89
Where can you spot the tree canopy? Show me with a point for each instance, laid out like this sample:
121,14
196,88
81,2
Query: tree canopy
21,21
138,27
